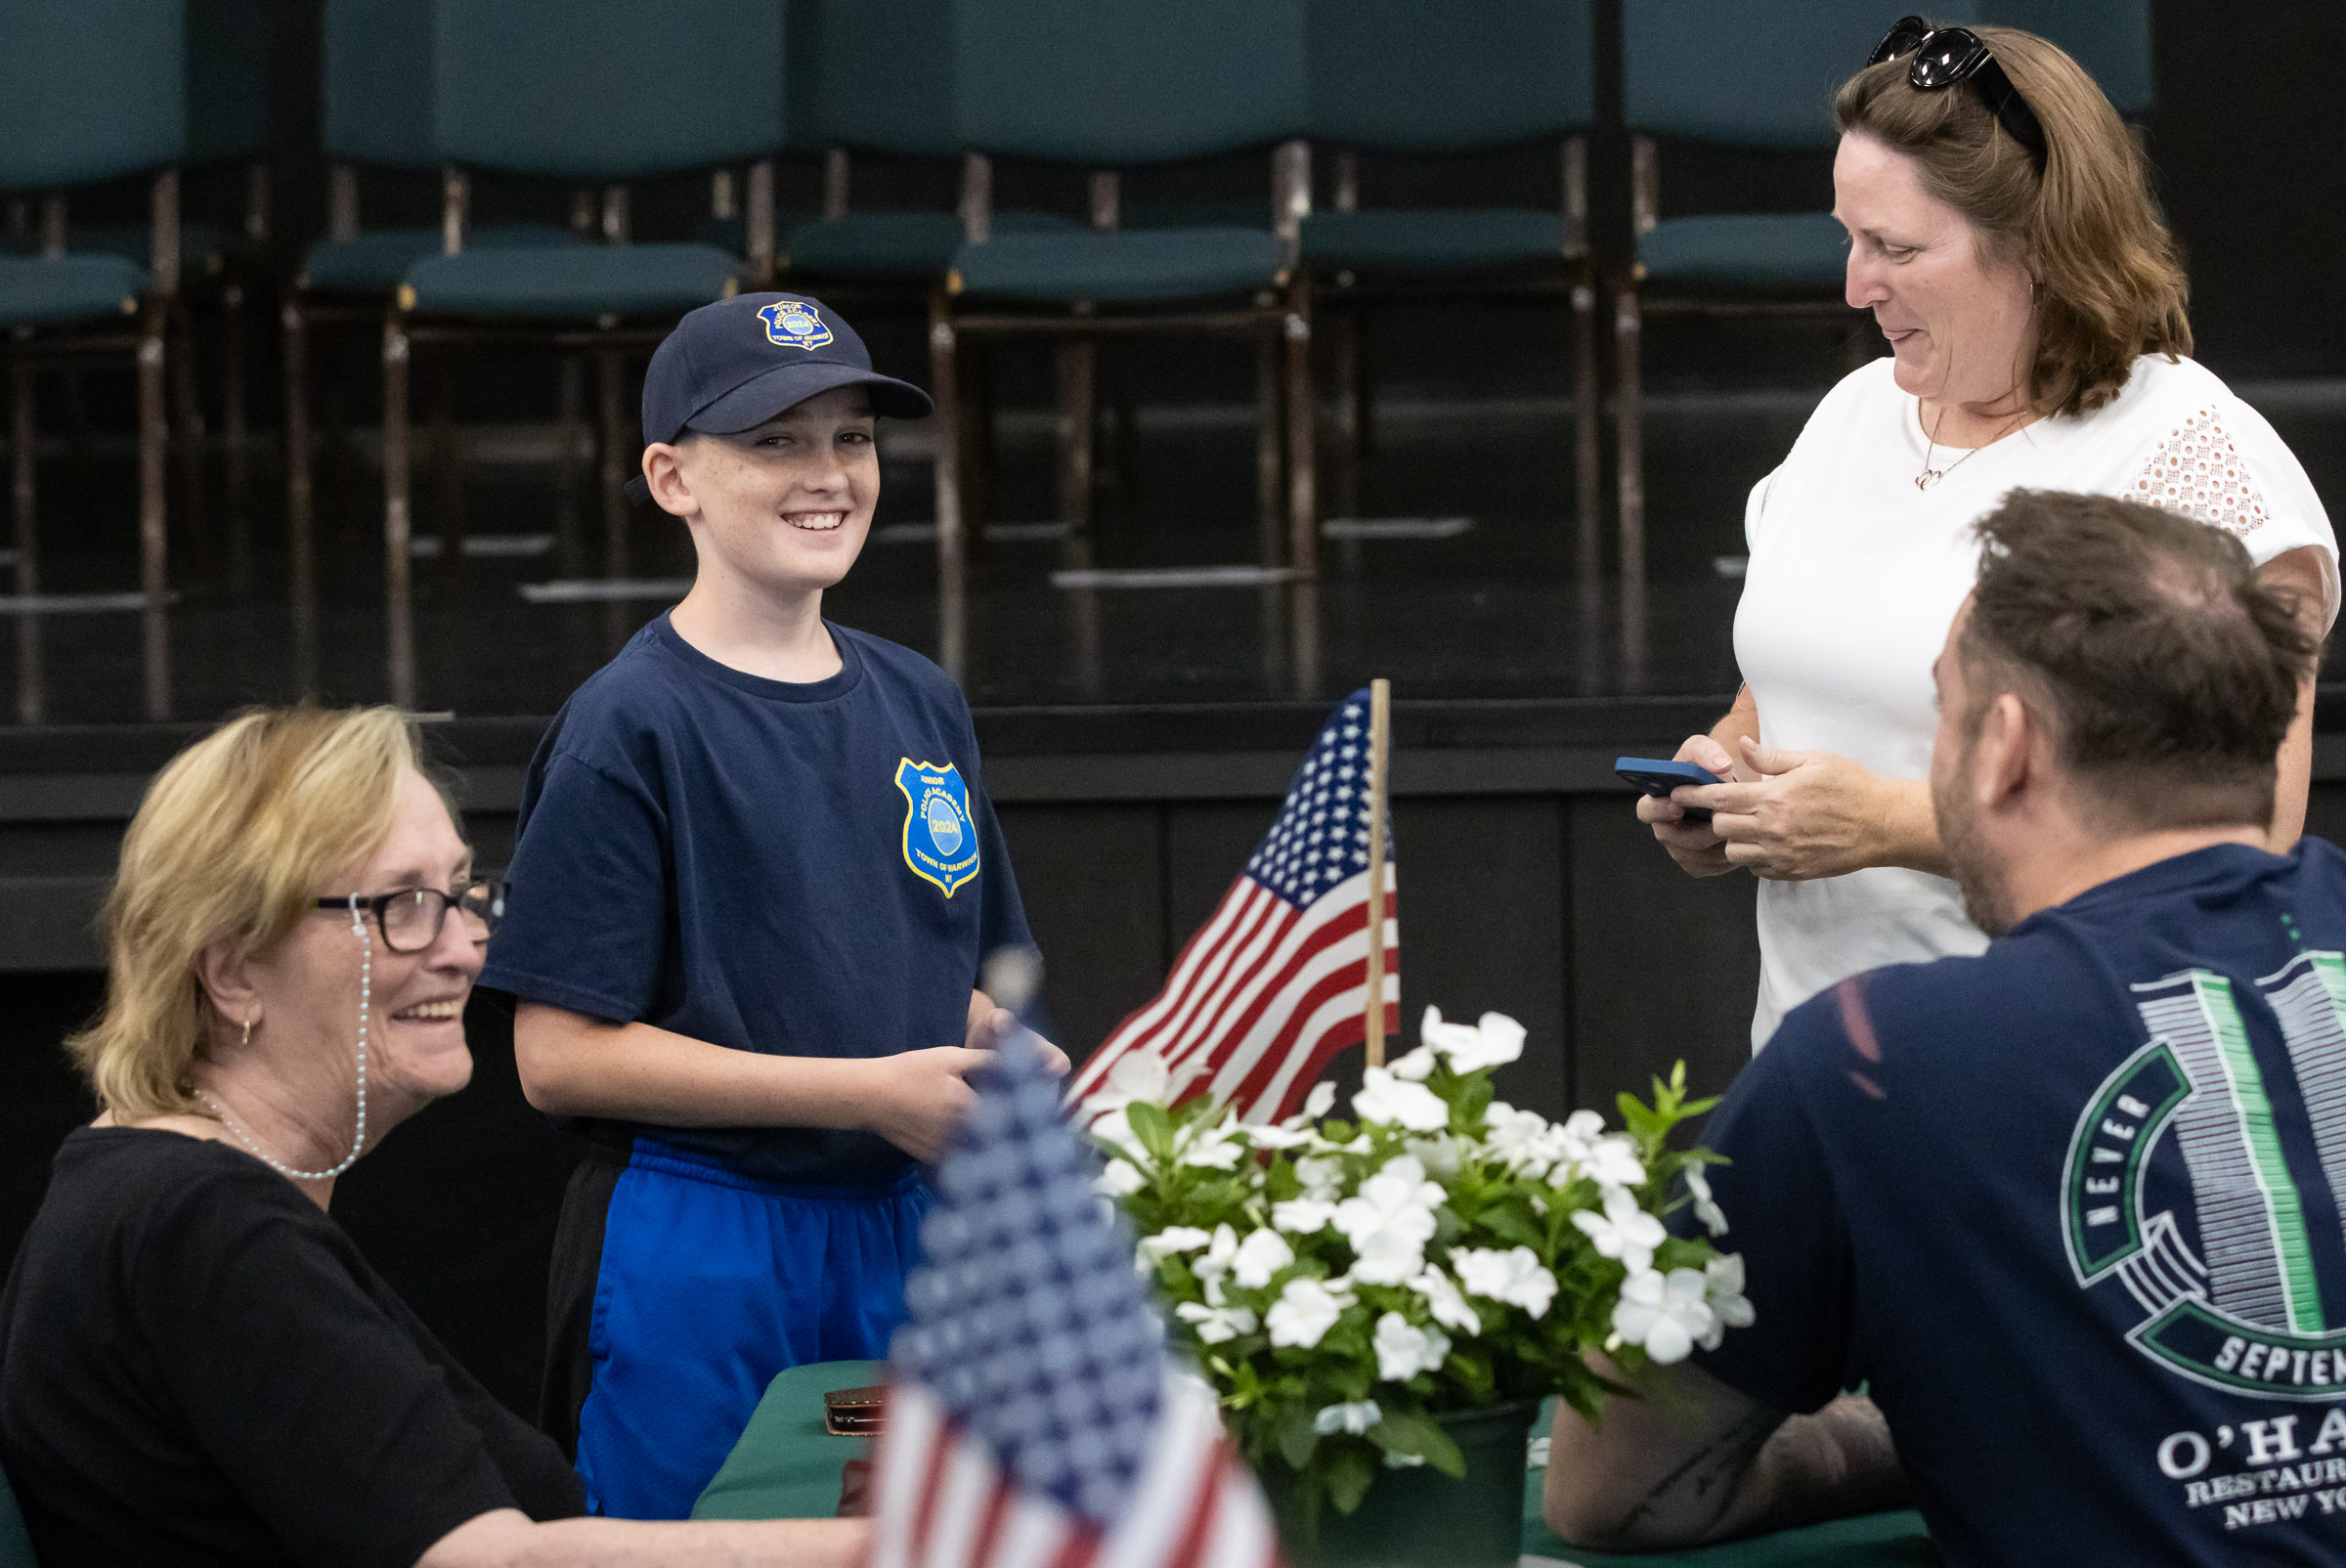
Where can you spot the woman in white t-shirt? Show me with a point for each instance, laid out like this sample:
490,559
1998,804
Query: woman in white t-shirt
2002,233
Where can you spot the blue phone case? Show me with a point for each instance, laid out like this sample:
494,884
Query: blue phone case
1657,777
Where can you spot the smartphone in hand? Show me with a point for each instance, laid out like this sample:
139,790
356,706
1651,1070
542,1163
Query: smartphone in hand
1654,776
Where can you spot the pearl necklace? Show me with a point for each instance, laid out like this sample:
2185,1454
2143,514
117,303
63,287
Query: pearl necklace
359,1142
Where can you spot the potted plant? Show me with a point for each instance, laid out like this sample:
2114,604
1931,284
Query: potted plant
1381,1303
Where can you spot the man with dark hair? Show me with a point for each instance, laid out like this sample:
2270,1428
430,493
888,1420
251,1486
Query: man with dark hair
2073,1210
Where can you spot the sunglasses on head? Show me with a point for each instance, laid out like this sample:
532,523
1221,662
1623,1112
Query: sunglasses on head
1945,56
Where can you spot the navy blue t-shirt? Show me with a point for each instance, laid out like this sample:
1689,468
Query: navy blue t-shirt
804,869
2072,1207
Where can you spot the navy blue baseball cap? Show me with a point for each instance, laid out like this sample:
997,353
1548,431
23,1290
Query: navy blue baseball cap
734,365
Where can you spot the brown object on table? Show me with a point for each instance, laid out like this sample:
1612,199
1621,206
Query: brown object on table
856,1490
855,1411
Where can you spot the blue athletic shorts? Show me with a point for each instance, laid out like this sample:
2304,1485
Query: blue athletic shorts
708,1283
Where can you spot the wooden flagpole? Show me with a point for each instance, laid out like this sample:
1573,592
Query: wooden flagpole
1381,745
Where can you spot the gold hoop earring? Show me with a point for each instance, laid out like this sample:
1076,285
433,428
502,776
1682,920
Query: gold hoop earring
247,1042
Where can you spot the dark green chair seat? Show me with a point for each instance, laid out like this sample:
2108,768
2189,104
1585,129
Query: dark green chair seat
571,281
1434,239
1126,267
1795,252
203,247
901,244
375,262
74,288
1230,212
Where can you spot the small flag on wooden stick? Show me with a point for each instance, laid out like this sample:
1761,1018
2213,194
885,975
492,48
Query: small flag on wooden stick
1277,981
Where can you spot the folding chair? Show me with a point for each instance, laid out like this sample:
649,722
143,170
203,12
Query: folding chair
1393,77
622,90
92,90
1106,85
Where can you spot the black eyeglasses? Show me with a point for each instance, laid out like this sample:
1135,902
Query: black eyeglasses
410,918
1945,56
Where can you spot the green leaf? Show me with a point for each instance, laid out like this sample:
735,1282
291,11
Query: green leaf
1349,1472
1154,1127
1298,1438
1409,1433
1512,1221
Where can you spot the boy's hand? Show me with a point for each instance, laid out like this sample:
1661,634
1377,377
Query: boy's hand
920,1098
988,1030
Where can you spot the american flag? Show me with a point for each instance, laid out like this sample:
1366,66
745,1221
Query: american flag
1277,983
1034,1418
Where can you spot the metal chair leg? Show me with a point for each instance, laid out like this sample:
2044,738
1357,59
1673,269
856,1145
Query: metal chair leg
1303,500
1630,419
154,541
187,431
21,448
952,553
1346,367
1270,462
300,499
613,468
1588,449
398,517
1078,410
448,468
236,432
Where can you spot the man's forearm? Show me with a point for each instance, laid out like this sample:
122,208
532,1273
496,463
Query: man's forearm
1837,1462
577,1066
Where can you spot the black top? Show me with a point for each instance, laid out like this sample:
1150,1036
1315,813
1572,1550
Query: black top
197,1367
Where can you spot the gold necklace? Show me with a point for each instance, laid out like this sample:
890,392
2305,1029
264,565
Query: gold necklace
1931,476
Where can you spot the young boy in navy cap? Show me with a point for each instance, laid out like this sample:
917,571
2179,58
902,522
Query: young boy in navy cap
755,877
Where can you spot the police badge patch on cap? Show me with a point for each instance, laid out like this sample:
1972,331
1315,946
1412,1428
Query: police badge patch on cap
794,324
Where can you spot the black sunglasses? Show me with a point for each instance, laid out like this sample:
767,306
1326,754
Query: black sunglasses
1945,56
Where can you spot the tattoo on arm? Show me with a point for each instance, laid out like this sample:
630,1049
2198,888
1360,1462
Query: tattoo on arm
1695,1493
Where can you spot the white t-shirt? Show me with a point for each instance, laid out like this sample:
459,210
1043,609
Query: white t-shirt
1855,576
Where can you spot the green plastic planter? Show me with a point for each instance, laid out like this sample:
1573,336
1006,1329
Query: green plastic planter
1417,1517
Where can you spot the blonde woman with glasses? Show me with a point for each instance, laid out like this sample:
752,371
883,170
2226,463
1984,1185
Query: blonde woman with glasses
196,1364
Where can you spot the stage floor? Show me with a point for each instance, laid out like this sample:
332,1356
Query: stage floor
1458,583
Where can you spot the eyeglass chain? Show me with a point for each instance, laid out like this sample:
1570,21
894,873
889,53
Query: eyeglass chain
358,1143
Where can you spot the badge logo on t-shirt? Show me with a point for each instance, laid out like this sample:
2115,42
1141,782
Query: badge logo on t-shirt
2178,1190
941,840
794,324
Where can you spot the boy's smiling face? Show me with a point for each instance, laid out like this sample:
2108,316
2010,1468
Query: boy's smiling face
782,508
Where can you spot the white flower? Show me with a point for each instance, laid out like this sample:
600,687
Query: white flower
1115,1128
1137,1075
1492,1041
1667,1316
1612,1161
1119,1179
1722,1284
1210,1267
1445,1301
1303,1314
1260,1256
1303,1216
1155,1249
1216,1325
1706,1208
1404,1351
1393,1102
1218,1146
1577,1134
1396,1460
1416,1067
1514,1277
1523,1140
1390,1221
1322,1177
1623,1231
1317,1104
1278,1136
1441,1154
1353,1418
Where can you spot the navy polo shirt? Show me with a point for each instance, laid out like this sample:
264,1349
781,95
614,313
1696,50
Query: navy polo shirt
803,869
2071,1207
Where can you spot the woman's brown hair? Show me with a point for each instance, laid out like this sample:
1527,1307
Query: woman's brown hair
2108,283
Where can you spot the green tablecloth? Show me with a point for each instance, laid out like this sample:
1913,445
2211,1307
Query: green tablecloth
786,1466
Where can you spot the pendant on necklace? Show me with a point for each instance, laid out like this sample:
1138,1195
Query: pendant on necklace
1927,478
